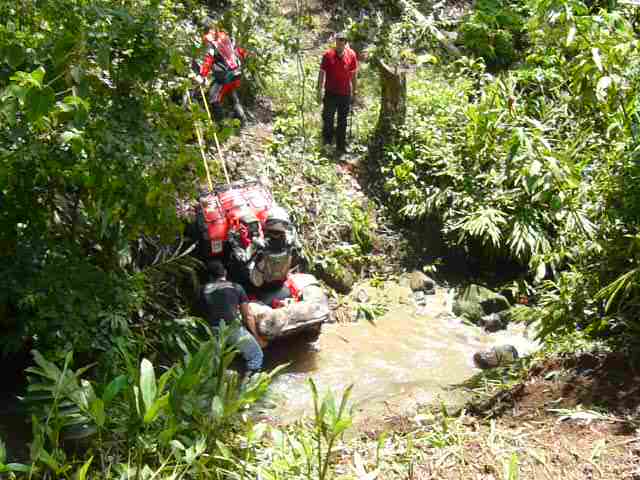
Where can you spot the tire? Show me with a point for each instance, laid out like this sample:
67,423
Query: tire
312,334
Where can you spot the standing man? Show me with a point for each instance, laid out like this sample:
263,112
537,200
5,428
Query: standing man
224,60
337,77
228,301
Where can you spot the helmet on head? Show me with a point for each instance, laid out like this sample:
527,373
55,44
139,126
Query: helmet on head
277,220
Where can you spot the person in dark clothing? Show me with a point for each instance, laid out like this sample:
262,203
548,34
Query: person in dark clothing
337,79
228,301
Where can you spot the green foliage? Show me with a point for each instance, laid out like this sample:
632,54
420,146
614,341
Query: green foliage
93,152
141,419
330,422
494,31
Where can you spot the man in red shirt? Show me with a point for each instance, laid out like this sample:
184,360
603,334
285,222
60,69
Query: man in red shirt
337,77
224,60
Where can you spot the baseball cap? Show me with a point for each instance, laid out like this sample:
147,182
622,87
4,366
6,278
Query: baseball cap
341,36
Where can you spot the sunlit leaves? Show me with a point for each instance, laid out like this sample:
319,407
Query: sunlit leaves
484,224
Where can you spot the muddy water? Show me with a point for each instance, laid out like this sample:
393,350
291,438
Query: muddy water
411,355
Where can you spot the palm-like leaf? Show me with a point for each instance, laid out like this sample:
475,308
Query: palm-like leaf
484,224
620,289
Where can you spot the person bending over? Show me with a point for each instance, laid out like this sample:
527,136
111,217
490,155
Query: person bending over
228,301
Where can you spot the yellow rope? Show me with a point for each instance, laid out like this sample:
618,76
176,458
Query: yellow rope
215,136
201,145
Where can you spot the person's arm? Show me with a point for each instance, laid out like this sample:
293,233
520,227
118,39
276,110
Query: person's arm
354,76
354,84
320,87
206,65
250,322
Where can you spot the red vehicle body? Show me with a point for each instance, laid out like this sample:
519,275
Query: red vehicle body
223,211
235,223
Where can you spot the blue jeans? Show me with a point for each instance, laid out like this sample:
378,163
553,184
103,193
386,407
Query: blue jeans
249,348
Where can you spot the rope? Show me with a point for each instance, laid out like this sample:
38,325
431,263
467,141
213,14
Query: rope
201,144
215,136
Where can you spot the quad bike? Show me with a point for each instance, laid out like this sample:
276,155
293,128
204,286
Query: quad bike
242,226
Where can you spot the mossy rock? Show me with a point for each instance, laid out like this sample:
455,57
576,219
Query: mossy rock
476,301
468,310
338,277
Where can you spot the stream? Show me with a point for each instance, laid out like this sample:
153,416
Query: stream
409,356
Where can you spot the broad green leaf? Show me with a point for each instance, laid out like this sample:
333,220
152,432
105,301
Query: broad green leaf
3,452
97,411
39,102
81,474
51,462
147,383
177,445
70,135
115,386
18,467
217,408
156,407
49,369
14,55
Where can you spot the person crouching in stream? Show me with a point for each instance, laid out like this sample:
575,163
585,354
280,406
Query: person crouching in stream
228,301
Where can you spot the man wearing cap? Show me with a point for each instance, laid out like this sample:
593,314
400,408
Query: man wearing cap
337,77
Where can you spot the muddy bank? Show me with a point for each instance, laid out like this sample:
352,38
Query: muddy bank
572,417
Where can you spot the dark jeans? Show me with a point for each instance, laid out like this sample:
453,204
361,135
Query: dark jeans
331,104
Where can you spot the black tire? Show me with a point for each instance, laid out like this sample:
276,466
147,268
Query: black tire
312,334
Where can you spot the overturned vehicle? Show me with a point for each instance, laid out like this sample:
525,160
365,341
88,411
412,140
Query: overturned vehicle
241,225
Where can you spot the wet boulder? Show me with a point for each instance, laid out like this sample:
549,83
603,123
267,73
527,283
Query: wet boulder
494,321
498,356
476,301
338,277
419,282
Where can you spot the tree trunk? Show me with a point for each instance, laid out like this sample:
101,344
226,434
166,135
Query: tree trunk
393,110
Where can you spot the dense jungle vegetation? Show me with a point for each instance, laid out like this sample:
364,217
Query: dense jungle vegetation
519,146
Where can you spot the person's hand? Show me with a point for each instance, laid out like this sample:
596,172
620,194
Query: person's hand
263,342
200,80
353,100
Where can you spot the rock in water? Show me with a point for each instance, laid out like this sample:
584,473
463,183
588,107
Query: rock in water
496,357
362,296
492,322
475,301
419,282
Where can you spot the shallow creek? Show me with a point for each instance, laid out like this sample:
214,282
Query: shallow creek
411,355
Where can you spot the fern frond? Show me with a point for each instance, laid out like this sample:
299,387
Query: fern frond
620,288
527,239
484,224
